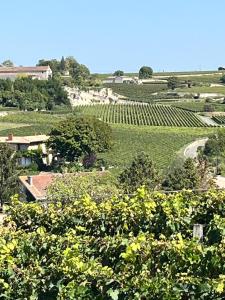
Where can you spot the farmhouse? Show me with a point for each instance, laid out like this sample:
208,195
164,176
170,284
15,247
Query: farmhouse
28,143
41,72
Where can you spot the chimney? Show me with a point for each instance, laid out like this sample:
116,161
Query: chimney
10,137
30,180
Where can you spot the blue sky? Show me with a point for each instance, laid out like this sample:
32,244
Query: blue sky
168,35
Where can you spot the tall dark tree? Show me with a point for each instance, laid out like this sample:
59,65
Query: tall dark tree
63,65
141,172
8,173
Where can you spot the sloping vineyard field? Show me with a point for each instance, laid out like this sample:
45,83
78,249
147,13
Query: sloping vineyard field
139,93
153,115
219,119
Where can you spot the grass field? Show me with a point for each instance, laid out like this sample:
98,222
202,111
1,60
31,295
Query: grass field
161,143
137,114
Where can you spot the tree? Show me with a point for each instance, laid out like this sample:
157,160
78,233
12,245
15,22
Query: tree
8,63
8,174
118,73
173,82
145,72
62,65
222,79
77,137
184,177
140,172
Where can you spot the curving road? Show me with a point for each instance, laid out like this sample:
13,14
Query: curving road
191,151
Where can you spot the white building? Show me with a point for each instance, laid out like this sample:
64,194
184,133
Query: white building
119,79
41,72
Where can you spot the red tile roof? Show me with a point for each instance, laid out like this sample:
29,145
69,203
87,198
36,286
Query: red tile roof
23,69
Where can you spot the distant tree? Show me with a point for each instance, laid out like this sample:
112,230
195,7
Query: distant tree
63,65
78,137
140,172
221,69
7,63
222,79
184,177
173,82
8,173
118,73
145,72
208,107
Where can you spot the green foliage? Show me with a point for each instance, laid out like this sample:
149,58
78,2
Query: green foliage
138,114
118,73
173,83
79,136
29,94
145,72
222,79
184,177
7,63
8,173
100,186
141,172
123,248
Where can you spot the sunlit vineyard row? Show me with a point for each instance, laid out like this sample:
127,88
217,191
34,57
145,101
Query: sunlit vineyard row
155,115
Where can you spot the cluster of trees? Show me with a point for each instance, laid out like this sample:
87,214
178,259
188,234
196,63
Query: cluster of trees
145,72
28,94
79,73
142,172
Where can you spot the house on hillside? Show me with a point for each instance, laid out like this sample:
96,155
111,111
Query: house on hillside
35,186
28,143
40,72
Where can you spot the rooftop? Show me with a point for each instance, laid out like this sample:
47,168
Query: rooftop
23,69
10,139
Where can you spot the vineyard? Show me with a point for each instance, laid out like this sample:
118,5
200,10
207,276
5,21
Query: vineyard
199,106
153,115
139,248
219,119
139,93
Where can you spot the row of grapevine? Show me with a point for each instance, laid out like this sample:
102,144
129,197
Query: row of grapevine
139,248
219,119
138,114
